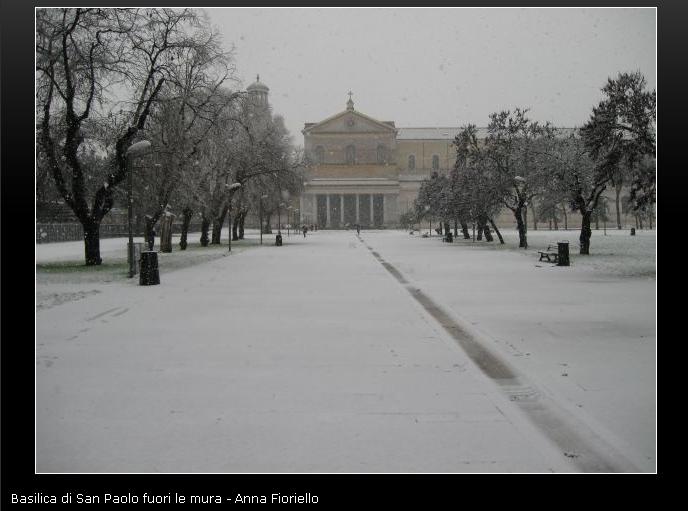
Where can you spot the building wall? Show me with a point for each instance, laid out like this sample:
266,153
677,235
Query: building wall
424,151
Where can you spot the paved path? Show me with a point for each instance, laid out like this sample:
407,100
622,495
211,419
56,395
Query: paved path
306,358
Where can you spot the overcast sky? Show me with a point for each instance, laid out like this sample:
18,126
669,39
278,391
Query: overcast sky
437,67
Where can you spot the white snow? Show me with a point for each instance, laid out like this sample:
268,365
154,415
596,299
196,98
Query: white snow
585,333
310,357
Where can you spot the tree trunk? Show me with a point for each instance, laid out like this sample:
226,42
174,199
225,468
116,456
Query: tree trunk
480,230
640,221
235,226
499,234
92,243
218,222
447,229
534,215
585,233
150,232
556,223
241,224
618,206
267,229
597,221
486,230
456,228
522,238
566,218
187,213
464,229
205,226
550,224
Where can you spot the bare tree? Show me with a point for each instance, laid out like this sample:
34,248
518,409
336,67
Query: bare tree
82,57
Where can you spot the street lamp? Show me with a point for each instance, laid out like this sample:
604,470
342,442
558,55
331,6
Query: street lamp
260,220
134,149
230,189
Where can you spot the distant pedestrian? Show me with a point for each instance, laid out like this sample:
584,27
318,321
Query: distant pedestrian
358,228
305,230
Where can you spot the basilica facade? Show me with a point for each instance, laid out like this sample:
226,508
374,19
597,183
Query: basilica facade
368,172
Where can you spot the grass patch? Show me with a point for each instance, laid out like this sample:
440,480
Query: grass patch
80,267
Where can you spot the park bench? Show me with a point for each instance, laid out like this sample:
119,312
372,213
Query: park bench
551,254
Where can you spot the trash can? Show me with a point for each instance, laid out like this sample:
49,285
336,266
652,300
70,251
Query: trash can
632,231
449,237
278,240
563,255
150,275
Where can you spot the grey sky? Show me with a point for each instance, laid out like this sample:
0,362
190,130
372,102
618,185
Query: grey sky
437,67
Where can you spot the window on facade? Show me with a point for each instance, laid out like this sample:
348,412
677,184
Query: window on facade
412,162
381,154
435,162
350,155
320,155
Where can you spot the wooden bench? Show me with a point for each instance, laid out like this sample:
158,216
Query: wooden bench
550,254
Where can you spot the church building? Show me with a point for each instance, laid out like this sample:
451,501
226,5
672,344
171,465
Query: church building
368,172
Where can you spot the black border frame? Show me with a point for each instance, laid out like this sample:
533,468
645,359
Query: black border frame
17,346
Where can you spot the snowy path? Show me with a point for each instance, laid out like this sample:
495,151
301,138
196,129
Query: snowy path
305,358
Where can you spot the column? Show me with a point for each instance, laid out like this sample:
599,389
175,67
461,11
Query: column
341,209
358,220
328,211
372,218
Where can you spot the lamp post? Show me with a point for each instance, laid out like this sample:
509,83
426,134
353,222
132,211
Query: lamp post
260,220
230,189
134,149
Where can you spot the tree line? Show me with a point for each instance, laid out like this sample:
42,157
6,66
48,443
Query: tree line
109,79
521,162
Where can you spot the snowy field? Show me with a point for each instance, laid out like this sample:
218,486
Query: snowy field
312,357
585,333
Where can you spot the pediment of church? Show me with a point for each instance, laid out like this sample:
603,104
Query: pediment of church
349,121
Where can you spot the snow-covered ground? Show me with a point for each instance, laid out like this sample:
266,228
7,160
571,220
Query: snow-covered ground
311,357
586,334
63,263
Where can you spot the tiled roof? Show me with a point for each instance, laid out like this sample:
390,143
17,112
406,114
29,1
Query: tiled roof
433,133
449,133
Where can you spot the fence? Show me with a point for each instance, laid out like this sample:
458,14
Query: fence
49,233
